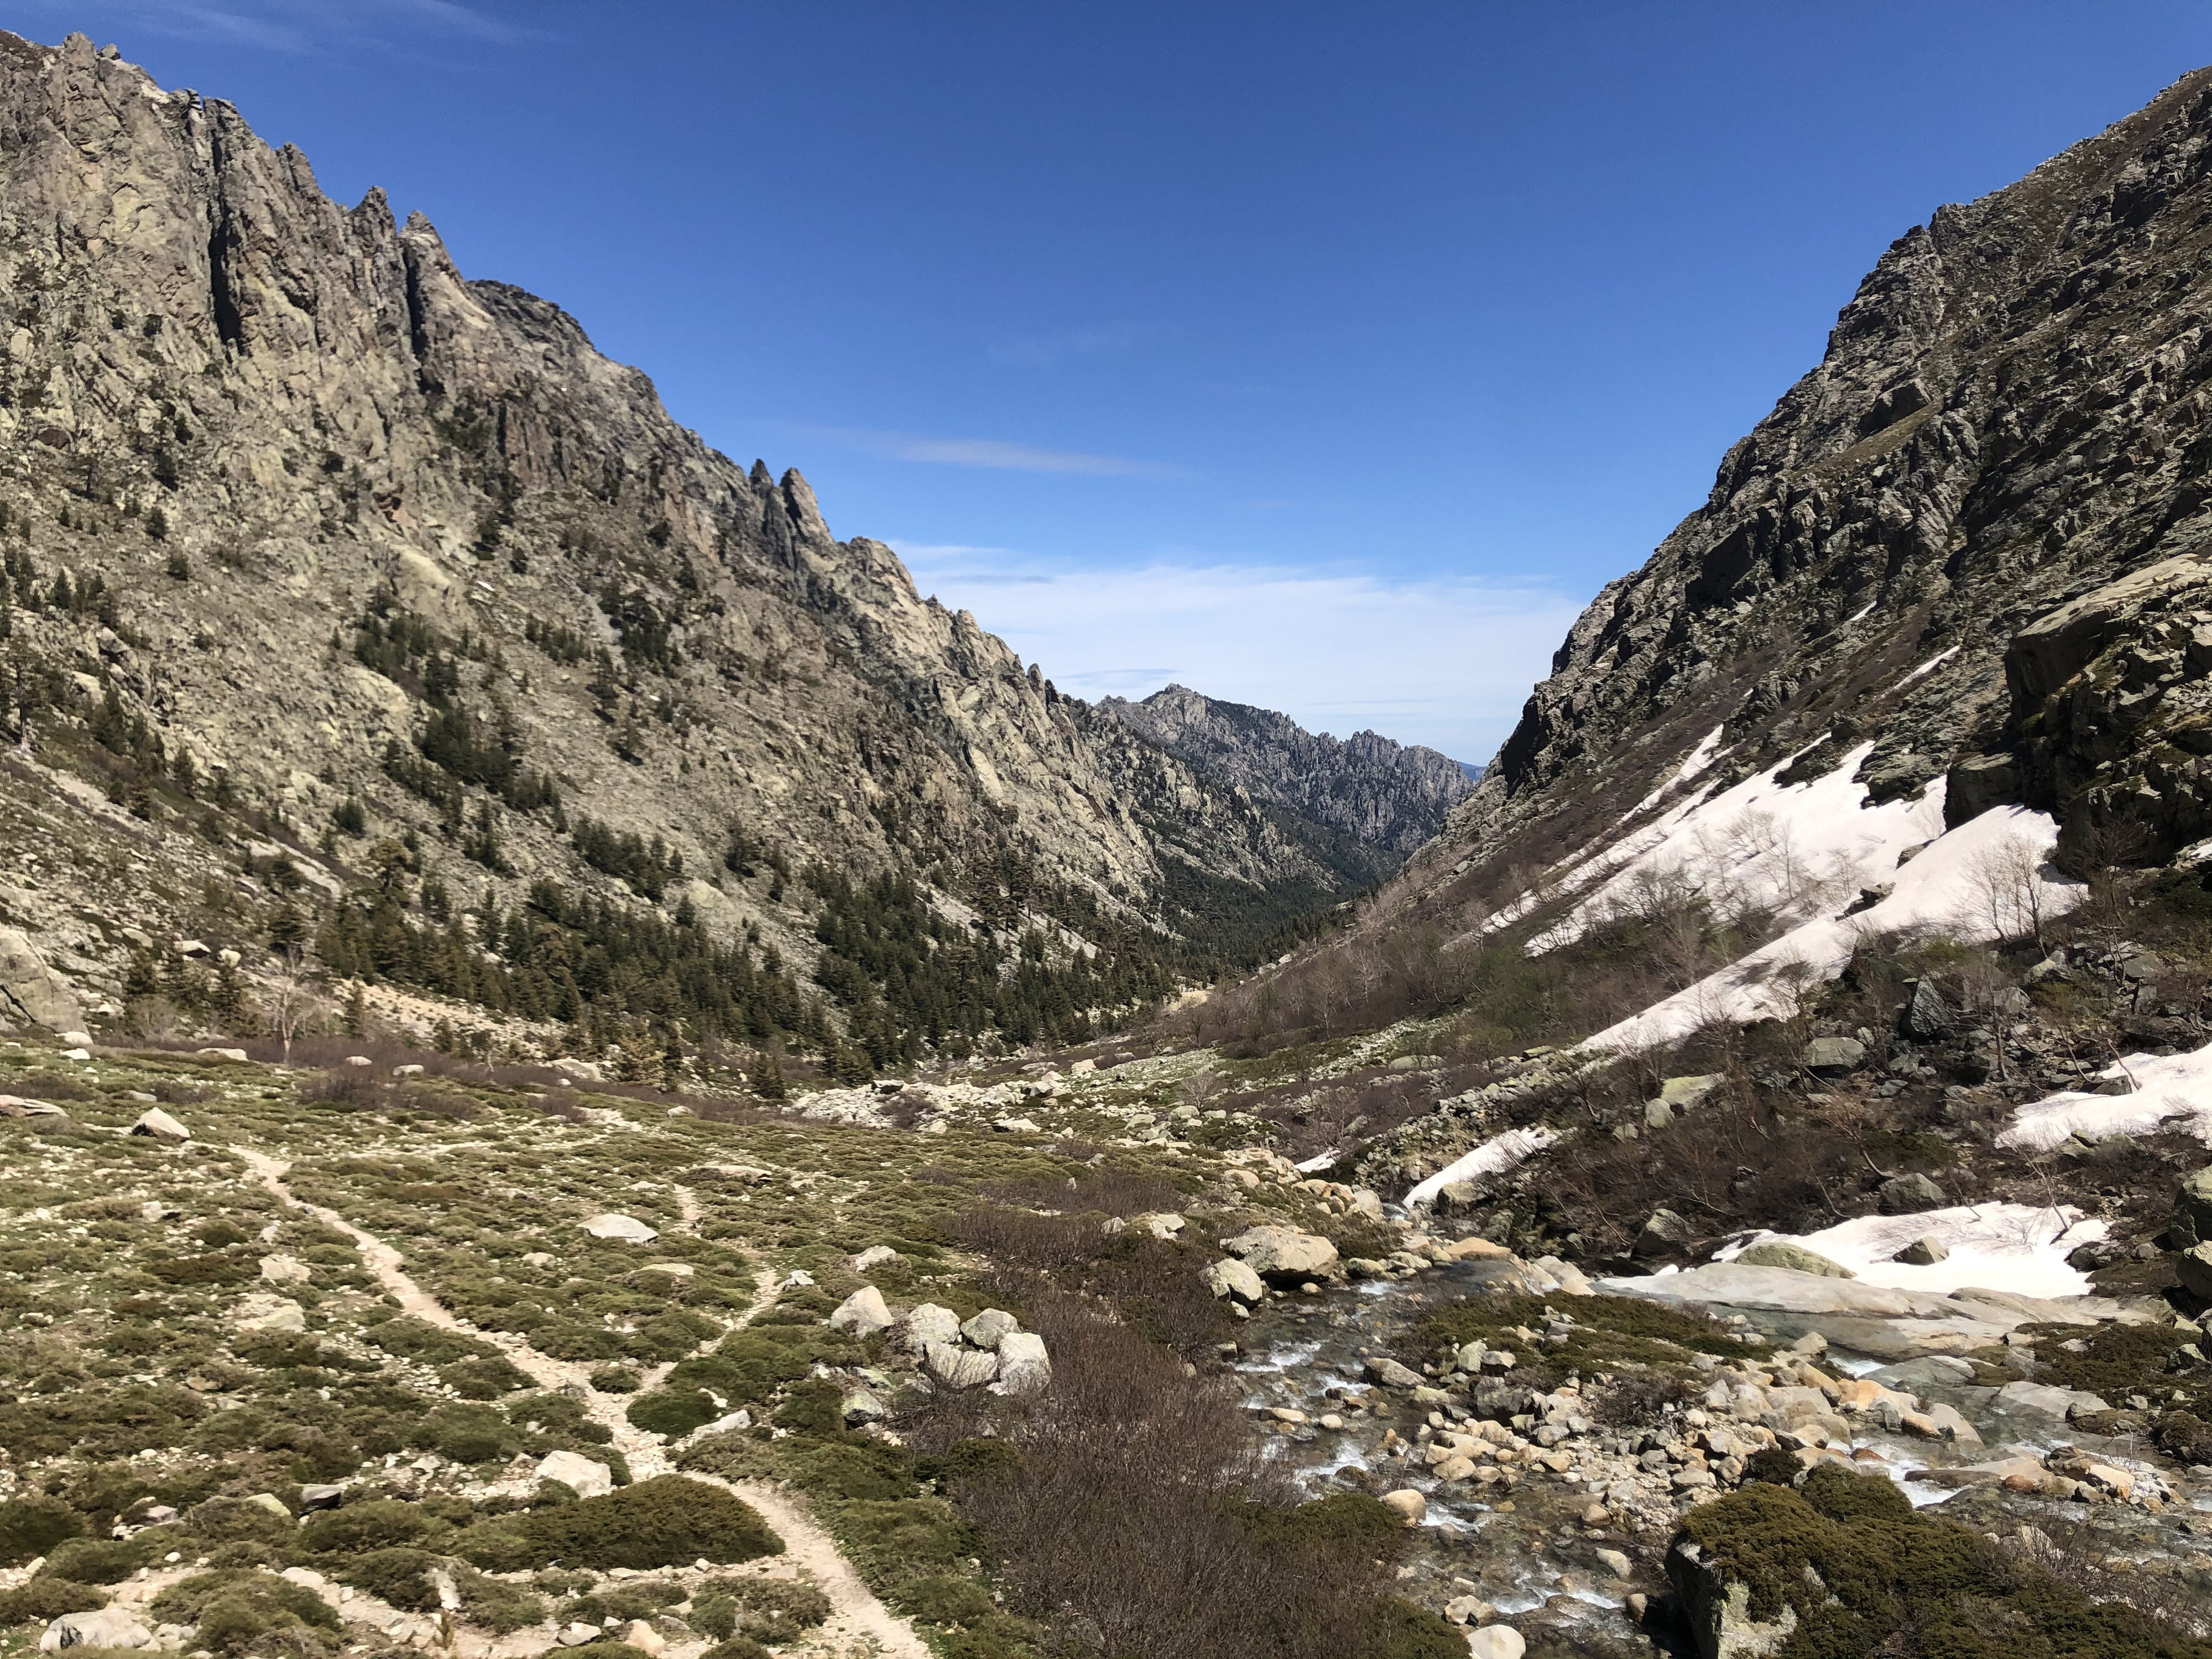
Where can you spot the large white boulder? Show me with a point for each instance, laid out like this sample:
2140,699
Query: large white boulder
585,1476
1024,1365
930,1323
1230,1277
159,1124
1284,1253
862,1314
988,1327
624,1228
958,1367
103,1627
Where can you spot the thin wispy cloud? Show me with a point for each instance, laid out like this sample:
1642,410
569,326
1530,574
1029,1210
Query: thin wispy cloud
307,27
996,455
1051,350
1445,662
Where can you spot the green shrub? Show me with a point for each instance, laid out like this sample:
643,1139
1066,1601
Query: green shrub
378,1523
777,1610
606,1650
235,1610
232,1520
737,1647
484,1379
97,1560
411,1339
668,1521
638,1599
942,1599
32,1526
1399,1630
615,1379
44,1600
672,1412
399,1574
469,1434
672,1334
714,1615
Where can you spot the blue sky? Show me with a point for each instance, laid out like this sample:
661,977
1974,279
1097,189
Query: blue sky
1326,357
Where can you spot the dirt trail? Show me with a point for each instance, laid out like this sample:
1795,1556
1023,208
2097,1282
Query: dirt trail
858,1623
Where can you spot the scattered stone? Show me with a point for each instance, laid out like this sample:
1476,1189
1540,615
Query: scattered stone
284,1270
316,1497
271,1502
987,1328
1284,1253
1779,1253
862,1314
860,1408
1231,1278
1911,1195
1924,1252
1834,1056
1391,1375
1024,1365
1408,1503
586,1477
874,1256
236,1055
103,1627
624,1228
160,1126
575,1635
268,1313
1016,1126
1663,1235
1614,1563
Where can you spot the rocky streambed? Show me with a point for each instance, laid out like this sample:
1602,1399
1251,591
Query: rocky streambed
1545,1468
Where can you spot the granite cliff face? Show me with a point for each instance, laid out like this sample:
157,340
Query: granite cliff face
294,512
1977,535
1367,787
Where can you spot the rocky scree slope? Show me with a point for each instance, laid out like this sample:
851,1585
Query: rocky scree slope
1366,787
1974,535
301,524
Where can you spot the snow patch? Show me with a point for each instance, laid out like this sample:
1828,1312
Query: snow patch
1499,1153
1930,666
1707,752
2166,1087
1953,884
1318,1162
2015,1248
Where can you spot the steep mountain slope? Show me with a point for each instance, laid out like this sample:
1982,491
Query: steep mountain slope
313,546
1972,538
1367,787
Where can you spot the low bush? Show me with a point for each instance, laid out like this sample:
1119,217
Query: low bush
44,1600
380,1523
737,1647
484,1379
496,1605
778,1610
399,1575
238,1612
96,1560
668,1521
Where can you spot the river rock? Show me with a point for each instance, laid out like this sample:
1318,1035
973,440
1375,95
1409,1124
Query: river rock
1663,1235
160,1126
1496,1641
1024,1365
1284,1253
1834,1056
1779,1253
987,1329
862,1314
1924,1252
1911,1195
103,1627
1409,1504
930,1323
32,994
2046,1400
2192,1210
623,1229
958,1367
585,1476
2194,1266
1230,1277
1391,1375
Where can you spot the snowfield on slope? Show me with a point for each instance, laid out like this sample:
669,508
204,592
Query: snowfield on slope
1808,850
2167,1087
1494,1156
2017,1247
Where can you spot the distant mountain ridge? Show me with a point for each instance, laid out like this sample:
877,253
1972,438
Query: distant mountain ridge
1386,794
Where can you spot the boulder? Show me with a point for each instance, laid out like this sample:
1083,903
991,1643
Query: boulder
1927,1017
1924,1252
103,1627
1230,1277
1496,1641
641,1636
1911,1195
958,1367
1834,1056
623,1228
987,1328
2046,1400
271,1504
862,1314
1391,1375
2194,1265
2192,1210
1717,1608
32,994
1284,1253
320,1495
874,1256
1663,1235
1409,1504
160,1126
1680,1093
1024,1365
930,1323
860,1408
284,1270
255,1312
586,1477
1780,1252
236,1056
